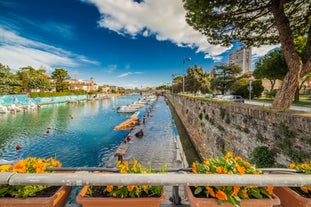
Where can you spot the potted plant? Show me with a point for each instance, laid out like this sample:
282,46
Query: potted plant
33,195
296,196
229,196
119,196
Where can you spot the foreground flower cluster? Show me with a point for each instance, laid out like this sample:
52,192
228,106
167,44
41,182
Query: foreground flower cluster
28,165
231,194
306,168
131,191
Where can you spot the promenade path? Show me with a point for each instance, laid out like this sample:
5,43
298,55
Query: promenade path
158,146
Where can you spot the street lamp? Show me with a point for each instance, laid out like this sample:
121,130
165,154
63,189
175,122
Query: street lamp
183,77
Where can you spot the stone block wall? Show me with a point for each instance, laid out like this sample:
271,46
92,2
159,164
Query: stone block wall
216,127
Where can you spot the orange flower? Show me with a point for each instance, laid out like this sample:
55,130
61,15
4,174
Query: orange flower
240,169
270,190
292,165
130,188
120,186
304,189
245,195
145,187
210,191
220,195
219,170
236,190
194,168
109,188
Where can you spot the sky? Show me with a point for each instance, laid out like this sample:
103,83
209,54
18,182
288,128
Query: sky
128,43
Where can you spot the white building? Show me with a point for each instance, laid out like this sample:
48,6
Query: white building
243,58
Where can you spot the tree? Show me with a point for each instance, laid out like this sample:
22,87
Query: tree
225,76
177,83
197,80
33,79
256,23
241,87
9,83
60,75
272,67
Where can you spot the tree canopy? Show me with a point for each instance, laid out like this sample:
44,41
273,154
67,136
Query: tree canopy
9,83
197,80
256,23
272,67
225,76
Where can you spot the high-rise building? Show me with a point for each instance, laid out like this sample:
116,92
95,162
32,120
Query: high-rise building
243,58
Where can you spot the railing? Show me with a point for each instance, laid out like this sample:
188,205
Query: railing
177,178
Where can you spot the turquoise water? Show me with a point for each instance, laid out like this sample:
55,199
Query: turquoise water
87,140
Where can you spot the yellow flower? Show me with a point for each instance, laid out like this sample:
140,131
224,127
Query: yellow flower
245,195
304,189
206,162
229,155
135,165
238,158
4,168
194,168
292,166
220,195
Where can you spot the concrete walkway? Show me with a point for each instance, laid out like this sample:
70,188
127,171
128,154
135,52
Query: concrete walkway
159,145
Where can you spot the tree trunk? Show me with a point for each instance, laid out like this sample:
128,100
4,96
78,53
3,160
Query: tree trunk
285,95
297,94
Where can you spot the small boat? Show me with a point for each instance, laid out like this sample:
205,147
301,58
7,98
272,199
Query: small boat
3,109
127,109
128,124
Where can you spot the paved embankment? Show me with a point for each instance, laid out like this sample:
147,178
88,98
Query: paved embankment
159,145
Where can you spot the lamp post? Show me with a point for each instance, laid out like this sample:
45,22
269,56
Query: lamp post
183,77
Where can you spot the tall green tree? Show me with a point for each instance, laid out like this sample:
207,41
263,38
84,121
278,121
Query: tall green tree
33,79
256,23
197,80
225,76
9,83
60,75
177,83
272,67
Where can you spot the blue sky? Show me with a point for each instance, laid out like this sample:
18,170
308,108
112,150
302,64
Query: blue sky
121,42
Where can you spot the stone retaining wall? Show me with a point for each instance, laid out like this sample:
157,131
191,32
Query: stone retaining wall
216,127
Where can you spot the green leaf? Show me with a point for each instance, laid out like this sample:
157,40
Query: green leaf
198,190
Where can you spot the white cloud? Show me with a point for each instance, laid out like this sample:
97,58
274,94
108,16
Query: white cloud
162,18
17,52
127,74
262,50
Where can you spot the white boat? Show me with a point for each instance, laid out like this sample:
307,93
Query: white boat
127,109
3,110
